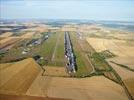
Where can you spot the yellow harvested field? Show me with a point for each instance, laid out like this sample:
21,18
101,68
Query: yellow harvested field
5,40
126,75
68,28
123,36
8,39
55,71
28,35
97,44
23,78
117,47
125,56
38,29
17,77
7,34
93,88
9,42
127,61
123,72
130,85
42,29
112,45
5,65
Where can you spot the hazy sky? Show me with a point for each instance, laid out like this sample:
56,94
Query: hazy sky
68,9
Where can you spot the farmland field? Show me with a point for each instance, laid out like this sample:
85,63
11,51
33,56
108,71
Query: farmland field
117,47
66,49
83,65
46,50
126,76
58,55
77,89
21,74
120,48
38,65
122,60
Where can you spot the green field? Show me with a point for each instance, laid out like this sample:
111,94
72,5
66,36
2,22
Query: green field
59,57
83,66
47,48
99,62
14,53
101,66
53,46
53,50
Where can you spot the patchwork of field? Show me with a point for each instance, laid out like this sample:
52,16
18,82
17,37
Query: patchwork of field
127,36
94,88
7,34
9,42
52,50
25,78
127,77
122,62
117,47
5,40
28,35
40,28
120,48
105,62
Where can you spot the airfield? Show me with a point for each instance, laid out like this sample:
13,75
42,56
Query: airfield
98,66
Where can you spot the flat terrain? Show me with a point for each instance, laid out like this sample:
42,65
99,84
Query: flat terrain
120,48
126,75
7,34
52,50
25,78
122,62
58,56
28,35
127,61
17,77
18,97
104,58
117,47
94,88
55,71
8,42
84,66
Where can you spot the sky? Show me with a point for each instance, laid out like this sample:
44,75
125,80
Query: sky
121,10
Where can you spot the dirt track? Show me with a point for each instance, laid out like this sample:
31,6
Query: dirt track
55,48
